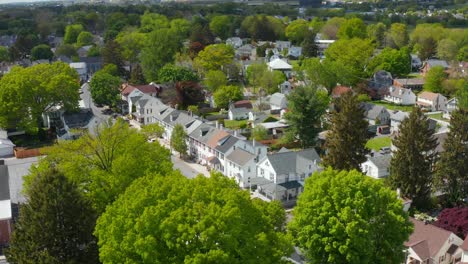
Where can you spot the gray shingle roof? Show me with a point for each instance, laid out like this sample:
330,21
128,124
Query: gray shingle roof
372,111
382,161
240,157
203,133
398,115
276,99
286,162
226,144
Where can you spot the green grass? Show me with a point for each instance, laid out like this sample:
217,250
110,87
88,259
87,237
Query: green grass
389,106
234,124
378,143
438,116
32,141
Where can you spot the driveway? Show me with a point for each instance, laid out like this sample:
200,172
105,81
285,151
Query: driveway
88,103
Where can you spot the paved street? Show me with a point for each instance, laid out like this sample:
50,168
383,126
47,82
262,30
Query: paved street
88,103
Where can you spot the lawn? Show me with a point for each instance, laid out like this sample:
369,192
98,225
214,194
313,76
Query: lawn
234,124
32,141
389,106
378,143
438,116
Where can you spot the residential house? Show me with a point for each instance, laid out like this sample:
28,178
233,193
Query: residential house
339,90
432,101
409,83
322,45
282,45
257,118
379,84
396,117
377,166
74,123
278,101
294,52
203,141
93,64
285,87
462,252
146,108
176,117
376,114
284,173
452,105
235,42
223,148
246,52
431,244
239,110
401,96
280,65
81,69
432,63
241,166
151,89
83,51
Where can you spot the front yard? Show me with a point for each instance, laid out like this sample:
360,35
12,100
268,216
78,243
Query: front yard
390,106
235,124
438,116
379,142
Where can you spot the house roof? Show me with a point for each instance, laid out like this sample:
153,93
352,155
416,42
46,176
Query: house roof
79,119
78,65
381,161
372,111
398,92
243,104
464,246
428,95
279,64
240,156
339,90
215,137
433,236
398,115
6,143
276,99
226,143
433,63
286,162
410,81
146,89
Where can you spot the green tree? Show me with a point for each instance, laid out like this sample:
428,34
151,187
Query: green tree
152,130
151,21
41,52
105,164
434,79
215,57
306,106
226,94
425,37
462,97
327,73
112,54
353,55
397,62
376,32
71,33
296,30
447,49
399,35
171,73
352,28
4,54
180,27
179,140
193,109
26,93
204,220
346,217
411,164
347,138
105,88
132,42
261,27
215,79
84,38
222,26
94,51
55,225
136,75
160,50
259,132
331,27
309,48
66,50
452,168
270,81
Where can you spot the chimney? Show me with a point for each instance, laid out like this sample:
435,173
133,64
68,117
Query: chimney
217,124
253,142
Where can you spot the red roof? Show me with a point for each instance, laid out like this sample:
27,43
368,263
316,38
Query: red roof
146,89
464,246
427,239
243,104
340,90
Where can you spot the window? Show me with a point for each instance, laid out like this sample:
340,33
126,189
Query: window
248,169
262,171
271,176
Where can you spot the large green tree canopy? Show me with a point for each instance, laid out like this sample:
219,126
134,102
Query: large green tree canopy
347,217
26,93
172,219
214,57
104,165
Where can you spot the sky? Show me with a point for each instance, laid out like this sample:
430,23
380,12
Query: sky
20,1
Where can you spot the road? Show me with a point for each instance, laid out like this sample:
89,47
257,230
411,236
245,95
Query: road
88,103
188,169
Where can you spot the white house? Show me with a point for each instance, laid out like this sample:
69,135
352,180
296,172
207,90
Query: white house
285,87
431,244
376,114
295,52
401,96
396,117
452,105
235,42
81,69
176,117
241,166
280,65
284,173
74,123
146,108
463,250
238,113
432,101
278,101
377,167
281,45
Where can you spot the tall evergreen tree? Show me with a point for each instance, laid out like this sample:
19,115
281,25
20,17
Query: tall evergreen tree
55,225
136,76
411,165
306,107
112,54
347,138
452,168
